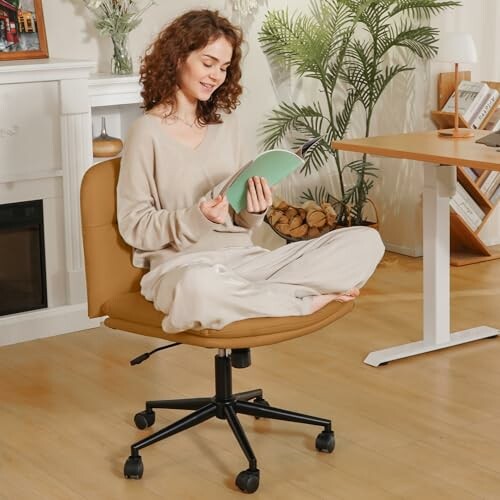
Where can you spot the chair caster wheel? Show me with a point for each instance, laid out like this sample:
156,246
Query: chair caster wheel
144,419
261,402
133,468
248,480
325,441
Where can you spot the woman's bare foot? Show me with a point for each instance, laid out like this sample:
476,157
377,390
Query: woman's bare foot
320,301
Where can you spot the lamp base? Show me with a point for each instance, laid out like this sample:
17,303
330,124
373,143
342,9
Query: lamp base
456,133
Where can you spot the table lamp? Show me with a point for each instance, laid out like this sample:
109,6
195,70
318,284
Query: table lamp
457,48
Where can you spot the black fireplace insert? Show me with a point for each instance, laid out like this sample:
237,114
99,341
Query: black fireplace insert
22,258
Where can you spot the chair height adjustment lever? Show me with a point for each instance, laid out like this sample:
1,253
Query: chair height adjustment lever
146,355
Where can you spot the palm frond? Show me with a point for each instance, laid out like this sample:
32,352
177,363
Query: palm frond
281,41
421,40
422,9
297,40
355,197
320,195
343,118
360,72
316,157
383,79
362,166
375,17
308,120
361,56
339,52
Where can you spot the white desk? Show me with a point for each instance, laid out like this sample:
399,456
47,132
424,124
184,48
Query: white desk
441,152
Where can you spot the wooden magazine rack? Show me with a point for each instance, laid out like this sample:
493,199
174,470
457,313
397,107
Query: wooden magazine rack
466,245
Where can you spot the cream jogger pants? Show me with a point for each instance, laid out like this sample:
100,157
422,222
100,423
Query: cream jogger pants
211,289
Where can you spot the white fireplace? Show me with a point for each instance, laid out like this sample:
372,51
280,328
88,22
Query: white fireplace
47,109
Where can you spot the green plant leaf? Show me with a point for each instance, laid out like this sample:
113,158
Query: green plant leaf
307,120
421,40
422,9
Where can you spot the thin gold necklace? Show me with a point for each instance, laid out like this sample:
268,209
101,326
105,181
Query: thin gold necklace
178,118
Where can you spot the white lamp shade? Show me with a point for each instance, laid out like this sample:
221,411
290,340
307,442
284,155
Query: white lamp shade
457,48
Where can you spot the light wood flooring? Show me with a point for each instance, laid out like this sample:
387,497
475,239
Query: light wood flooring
421,428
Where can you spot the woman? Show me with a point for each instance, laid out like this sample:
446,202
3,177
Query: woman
204,271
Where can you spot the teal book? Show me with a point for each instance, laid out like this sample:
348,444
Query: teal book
274,165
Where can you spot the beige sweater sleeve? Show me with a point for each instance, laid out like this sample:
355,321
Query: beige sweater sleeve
142,222
248,219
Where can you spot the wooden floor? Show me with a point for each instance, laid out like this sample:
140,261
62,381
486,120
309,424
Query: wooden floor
425,428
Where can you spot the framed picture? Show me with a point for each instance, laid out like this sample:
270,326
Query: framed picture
22,30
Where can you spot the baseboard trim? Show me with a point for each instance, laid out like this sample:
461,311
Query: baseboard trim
410,251
44,323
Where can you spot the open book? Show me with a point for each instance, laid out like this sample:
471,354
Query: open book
274,165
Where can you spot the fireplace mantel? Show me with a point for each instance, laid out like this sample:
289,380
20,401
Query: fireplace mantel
46,145
44,70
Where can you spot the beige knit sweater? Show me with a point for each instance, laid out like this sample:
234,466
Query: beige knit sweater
162,183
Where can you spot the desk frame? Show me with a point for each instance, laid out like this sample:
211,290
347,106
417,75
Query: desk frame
439,186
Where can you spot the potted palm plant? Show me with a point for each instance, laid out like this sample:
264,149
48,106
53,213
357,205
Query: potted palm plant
344,46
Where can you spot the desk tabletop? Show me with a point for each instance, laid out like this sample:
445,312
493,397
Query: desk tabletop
428,147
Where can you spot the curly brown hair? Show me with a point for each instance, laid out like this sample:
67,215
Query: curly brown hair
189,32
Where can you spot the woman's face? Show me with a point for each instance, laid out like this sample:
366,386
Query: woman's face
205,70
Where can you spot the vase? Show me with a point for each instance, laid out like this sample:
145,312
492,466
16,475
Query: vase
121,62
105,146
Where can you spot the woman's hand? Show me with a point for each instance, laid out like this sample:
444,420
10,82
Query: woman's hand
259,195
215,210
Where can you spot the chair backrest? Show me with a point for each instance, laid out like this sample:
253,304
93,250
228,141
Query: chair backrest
108,259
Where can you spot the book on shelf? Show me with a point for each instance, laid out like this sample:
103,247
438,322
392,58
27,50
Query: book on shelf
488,102
496,196
490,183
461,208
472,174
470,97
274,165
471,202
493,122
465,206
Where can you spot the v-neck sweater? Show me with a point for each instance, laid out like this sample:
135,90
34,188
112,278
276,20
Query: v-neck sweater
162,182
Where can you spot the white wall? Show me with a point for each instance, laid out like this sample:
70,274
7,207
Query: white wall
71,34
398,193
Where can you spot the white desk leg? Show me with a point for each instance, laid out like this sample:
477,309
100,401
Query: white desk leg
436,240
439,185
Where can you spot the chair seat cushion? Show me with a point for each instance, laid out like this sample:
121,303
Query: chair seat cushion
132,312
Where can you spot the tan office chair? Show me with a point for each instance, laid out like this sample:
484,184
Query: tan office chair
113,291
